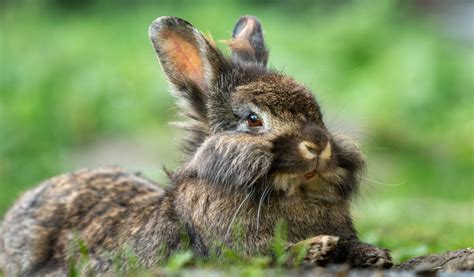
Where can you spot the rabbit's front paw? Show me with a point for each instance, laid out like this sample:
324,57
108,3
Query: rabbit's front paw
375,258
319,249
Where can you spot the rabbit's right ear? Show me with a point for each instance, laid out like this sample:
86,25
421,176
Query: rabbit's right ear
247,42
190,61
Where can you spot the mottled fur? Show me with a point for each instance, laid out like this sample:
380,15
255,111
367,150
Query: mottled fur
288,168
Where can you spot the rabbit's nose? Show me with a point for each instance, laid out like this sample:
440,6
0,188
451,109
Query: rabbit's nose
315,142
310,150
326,152
316,138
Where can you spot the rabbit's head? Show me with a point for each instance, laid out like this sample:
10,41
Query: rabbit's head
251,128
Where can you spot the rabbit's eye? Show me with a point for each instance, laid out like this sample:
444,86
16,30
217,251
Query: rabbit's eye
254,121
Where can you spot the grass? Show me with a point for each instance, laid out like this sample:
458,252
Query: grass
71,80
227,261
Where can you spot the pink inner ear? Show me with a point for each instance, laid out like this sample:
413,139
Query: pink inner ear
185,58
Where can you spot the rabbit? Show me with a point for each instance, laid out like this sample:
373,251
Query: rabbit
257,152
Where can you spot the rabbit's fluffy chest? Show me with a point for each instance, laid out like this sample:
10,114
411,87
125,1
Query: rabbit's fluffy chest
219,216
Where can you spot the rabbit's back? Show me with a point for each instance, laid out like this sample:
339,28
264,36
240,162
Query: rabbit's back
98,208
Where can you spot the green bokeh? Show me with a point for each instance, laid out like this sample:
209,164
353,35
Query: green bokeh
76,75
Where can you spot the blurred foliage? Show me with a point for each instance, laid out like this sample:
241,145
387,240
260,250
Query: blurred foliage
77,72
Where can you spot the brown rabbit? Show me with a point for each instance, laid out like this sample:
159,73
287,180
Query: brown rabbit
258,152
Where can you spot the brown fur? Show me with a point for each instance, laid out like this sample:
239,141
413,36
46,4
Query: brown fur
235,175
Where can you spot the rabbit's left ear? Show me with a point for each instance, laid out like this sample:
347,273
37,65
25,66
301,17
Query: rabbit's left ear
247,42
189,60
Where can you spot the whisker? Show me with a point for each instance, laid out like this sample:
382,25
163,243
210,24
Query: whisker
236,212
381,183
265,191
269,195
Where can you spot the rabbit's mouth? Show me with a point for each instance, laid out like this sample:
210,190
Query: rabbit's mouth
291,183
317,174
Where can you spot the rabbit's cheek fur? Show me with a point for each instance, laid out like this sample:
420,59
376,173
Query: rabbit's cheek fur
345,167
232,160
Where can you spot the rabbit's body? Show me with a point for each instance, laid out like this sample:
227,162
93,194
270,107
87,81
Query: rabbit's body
103,208
258,152
111,211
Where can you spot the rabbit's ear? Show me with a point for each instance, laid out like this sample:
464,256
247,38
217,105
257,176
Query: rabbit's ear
248,44
190,61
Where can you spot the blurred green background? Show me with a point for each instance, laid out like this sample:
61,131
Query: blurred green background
80,87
